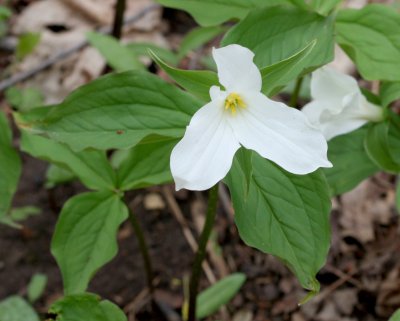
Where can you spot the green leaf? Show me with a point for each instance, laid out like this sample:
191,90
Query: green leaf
395,316
57,175
26,44
378,149
10,166
118,56
215,12
5,13
197,82
142,49
85,237
219,294
16,308
283,214
324,6
277,33
393,139
24,99
146,164
389,92
36,287
282,73
90,166
198,37
361,32
351,163
22,213
86,307
117,111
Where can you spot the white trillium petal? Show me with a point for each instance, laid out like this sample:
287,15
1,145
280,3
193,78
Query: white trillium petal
236,69
204,155
331,85
280,134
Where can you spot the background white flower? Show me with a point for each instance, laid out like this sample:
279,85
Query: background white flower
242,115
338,106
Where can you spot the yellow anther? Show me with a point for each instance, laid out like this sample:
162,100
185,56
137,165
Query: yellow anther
234,101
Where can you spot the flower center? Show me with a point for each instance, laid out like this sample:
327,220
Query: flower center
234,101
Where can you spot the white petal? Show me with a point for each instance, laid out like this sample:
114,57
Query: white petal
204,155
236,69
216,93
328,84
281,134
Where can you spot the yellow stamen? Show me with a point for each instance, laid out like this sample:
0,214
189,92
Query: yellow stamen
233,101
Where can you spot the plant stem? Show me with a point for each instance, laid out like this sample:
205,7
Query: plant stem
201,251
144,250
295,96
119,18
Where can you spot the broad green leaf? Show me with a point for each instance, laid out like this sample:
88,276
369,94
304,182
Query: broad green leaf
219,294
361,32
197,82
26,44
36,287
142,49
395,316
146,164
215,12
281,73
57,175
24,99
91,166
324,6
5,13
277,33
86,307
378,149
16,308
198,37
117,55
10,166
283,214
117,111
85,237
394,137
389,92
22,213
351,164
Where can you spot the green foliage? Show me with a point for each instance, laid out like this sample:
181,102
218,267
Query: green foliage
142,49
215,12
389,92
86,307
57,175
283,214
85,237
118,56
24,99
323,6
16,308
370,37
395,316
275,34
146,164
36,287
116,111
219,294
276,76
378,149
26,44
10,166
17,215
351,164
91,166
198,37
5,13
196,82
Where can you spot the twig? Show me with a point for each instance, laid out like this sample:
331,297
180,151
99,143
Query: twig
67,53
176,211
119,18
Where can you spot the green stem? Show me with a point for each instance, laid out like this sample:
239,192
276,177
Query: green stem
201,251
296,92
119,18
144,250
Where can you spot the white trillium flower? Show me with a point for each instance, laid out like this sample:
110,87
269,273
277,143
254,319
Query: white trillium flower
242,115
338,106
